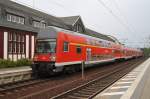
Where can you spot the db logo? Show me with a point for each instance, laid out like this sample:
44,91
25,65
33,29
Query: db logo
43,58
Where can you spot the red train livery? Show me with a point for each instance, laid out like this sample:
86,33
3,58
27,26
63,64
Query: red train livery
62,50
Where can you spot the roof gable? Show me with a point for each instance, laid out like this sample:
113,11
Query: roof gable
71,20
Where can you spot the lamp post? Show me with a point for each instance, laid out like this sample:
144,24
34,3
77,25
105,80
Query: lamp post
83,64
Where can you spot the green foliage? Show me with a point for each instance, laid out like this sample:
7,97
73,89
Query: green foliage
8,63
146,51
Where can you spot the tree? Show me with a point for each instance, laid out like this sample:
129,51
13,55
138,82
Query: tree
146,48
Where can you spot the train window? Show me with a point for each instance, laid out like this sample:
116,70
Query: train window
78,49
66,47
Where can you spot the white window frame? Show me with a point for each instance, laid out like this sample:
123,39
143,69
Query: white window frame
10,37
22,20
15,18
8,17
39,24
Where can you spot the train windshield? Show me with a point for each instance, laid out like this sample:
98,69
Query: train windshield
46,47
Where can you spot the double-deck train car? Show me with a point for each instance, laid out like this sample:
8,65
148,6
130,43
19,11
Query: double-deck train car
62,50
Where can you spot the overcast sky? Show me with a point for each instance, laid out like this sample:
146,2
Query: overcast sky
127,20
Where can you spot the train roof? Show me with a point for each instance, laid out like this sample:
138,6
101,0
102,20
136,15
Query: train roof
51,32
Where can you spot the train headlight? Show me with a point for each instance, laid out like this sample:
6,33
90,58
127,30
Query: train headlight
53,58
35,58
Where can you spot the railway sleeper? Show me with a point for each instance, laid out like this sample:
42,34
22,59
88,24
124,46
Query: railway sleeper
74,97
96,86
92,89
99,86
85,92
81,95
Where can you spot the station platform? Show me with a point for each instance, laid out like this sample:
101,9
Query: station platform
134,85
11,75
14,69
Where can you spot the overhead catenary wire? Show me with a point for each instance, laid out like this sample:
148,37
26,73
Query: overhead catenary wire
114,15
123,16
32,6
62,6
70,10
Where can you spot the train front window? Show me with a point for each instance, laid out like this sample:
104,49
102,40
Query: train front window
46,47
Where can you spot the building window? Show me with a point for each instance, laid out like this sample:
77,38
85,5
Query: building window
14,47
66,47
10,37
8,17
18,38
21,20
39,24
22,49
10,47
15,18
16,43
22,38
78,49
14,37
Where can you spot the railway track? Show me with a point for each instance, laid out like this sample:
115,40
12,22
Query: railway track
4,89
48,88
92,88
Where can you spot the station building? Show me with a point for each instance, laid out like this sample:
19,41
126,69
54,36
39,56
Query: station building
19,26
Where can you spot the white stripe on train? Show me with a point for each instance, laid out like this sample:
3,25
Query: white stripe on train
86,62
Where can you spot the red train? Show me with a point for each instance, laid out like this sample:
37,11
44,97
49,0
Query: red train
62,50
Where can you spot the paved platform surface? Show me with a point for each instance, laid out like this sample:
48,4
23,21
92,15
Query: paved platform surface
135,85
16,74
15,69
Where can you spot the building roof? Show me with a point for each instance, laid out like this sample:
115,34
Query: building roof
15,8
99,35
32,14
71,20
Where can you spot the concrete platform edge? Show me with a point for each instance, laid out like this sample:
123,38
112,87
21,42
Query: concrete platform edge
135,91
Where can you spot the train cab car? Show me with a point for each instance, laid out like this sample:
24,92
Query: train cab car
58,50
63,50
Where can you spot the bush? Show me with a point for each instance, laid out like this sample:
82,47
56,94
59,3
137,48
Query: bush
9,63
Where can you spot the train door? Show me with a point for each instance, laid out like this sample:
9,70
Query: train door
88,54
